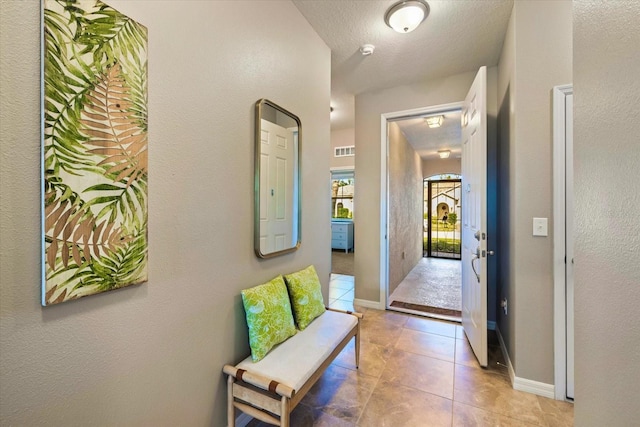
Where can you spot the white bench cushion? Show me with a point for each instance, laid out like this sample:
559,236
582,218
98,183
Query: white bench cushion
294,361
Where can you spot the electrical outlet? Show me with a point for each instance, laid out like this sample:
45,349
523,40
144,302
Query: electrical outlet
504,305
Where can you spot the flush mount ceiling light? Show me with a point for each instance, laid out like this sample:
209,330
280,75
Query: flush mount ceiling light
434,121
444,154
405,16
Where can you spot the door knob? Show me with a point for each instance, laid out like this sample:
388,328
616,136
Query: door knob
490,252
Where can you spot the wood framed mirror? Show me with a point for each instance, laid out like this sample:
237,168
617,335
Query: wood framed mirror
277,180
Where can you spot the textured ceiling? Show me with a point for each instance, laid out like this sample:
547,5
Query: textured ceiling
427,141
457,36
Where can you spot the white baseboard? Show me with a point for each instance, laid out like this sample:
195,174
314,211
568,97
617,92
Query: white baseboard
535,387
243,419
523,384
503,347
368,304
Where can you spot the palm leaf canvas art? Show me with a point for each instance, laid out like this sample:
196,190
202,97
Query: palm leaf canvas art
94,151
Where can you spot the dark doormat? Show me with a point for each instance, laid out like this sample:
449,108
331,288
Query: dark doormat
427,309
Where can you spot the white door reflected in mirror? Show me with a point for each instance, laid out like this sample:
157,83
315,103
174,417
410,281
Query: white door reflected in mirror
277,210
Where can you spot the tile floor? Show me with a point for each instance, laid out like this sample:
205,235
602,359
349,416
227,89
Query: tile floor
418,372
341,292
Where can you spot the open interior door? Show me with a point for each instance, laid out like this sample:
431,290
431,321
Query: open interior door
474,216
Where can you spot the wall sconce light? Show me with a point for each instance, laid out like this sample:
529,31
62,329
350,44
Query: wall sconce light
405,16
444,154
434,121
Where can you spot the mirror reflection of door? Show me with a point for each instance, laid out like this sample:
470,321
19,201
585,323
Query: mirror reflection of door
276,187
277,180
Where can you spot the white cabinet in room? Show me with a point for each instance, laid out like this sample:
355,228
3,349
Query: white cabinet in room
342,235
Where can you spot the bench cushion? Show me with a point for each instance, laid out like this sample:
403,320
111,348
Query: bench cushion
295,360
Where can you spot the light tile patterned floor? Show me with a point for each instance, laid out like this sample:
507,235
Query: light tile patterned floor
420,372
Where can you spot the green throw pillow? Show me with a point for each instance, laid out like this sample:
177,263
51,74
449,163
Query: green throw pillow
269,318
306,295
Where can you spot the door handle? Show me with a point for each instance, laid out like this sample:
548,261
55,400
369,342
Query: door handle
475,257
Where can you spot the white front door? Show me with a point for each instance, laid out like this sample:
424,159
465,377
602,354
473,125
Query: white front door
276,186
474,216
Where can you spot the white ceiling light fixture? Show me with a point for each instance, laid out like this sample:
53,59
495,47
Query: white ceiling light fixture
434,121
444,154
405,16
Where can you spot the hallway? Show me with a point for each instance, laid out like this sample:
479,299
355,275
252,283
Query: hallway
433,286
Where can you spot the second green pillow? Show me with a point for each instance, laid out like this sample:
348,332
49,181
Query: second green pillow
306,296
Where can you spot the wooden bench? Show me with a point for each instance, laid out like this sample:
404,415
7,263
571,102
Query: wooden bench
270,389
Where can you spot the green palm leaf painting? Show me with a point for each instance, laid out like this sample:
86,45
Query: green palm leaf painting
94,151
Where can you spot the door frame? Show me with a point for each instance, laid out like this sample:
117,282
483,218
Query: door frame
385,118
560,93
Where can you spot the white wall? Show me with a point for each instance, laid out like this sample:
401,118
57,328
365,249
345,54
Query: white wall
606,67
405,207
153,354
506,204
542,60
432,167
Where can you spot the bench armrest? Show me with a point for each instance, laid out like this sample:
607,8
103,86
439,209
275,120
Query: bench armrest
259,381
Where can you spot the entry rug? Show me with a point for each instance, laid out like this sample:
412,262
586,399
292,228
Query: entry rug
427,309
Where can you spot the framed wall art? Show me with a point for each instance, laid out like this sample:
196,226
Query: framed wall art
95,148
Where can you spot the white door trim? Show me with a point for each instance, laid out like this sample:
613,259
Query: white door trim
559,235
384,187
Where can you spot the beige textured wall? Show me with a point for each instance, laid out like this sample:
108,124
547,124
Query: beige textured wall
152,354
440,166
542,60
369,107
607,244
342,138
506,203
405,207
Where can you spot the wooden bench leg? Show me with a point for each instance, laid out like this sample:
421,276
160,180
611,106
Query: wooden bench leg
284,412
231,412
358,346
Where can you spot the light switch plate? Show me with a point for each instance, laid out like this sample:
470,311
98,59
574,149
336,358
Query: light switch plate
540,227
